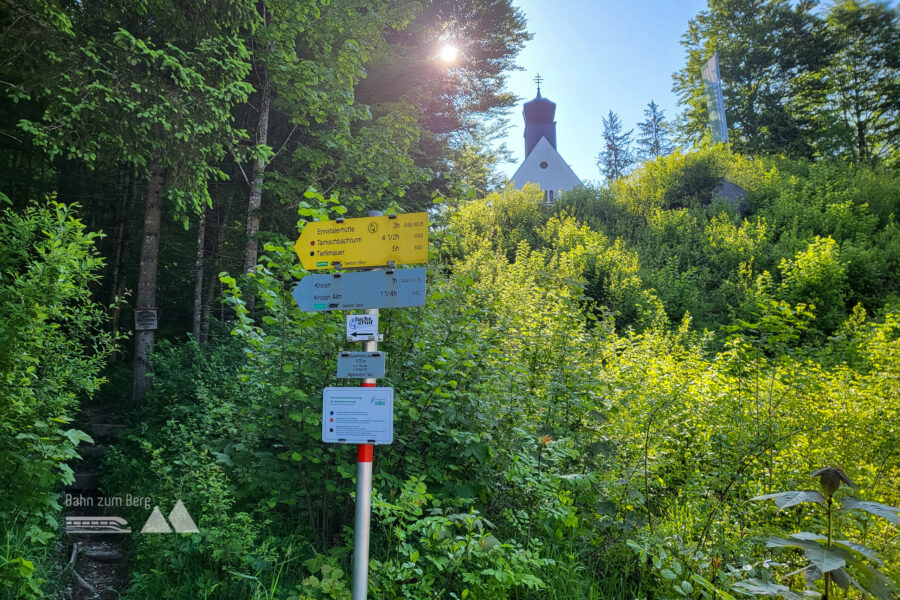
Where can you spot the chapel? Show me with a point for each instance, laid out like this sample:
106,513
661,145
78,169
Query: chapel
543,164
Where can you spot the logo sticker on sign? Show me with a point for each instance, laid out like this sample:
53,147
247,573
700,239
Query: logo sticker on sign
362,328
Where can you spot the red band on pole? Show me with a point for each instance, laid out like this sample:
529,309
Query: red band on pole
364,452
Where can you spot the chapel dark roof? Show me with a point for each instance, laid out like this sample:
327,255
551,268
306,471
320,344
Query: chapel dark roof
539,111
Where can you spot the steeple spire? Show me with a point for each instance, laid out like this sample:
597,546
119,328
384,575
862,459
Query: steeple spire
539,120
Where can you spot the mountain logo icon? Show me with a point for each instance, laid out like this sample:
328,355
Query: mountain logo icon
179,518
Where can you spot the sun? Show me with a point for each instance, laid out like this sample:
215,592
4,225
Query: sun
448,53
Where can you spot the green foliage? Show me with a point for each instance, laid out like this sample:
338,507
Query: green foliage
830,559
150,92
848,104
717,260
552,402
795,80
52,349
190,430
445,550
761,45
509,216
817,276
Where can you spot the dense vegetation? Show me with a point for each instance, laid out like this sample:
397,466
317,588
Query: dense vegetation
589,400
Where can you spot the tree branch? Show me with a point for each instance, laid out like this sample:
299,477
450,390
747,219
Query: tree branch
241,168
24,14
286,140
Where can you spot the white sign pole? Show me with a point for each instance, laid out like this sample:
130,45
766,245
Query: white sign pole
364,455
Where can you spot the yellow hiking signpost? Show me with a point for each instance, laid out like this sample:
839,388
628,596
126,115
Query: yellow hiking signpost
364,242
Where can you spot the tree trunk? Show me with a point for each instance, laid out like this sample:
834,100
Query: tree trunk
123,244
221,217
861,145
146,288
198,272
209,294
259,167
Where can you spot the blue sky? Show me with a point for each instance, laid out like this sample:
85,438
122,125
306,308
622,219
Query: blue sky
596,56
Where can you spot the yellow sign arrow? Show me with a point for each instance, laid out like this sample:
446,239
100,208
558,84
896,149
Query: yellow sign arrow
364,242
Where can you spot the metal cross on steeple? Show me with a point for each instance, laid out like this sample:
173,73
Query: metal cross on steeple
538,79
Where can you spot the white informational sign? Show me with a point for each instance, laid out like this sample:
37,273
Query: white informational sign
361,328
358,415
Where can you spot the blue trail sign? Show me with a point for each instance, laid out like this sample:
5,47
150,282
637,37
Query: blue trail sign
361,289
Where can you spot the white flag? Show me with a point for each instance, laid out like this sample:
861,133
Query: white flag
715,102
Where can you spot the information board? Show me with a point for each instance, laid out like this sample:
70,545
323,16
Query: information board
358,415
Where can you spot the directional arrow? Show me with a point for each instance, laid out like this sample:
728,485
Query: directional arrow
364,242
361,289
365,336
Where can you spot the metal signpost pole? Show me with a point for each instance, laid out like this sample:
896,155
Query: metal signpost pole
364,455
354,415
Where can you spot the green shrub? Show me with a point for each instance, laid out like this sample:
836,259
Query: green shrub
52,349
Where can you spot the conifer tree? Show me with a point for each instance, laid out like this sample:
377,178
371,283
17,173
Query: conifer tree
616,158
654,137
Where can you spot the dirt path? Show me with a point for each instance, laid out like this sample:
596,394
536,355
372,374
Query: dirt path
96,537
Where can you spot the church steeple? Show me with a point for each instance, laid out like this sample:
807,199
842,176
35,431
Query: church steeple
543,165
539,114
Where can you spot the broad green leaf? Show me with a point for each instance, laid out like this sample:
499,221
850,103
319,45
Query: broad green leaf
841,578
891,513
864,550
786,499
76,435
811,573
804,569
779,542
825,559
873,581
490,541
710,587
23,566
806,535
758,587
830,478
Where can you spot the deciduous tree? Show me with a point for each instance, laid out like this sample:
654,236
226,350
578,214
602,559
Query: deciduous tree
762,46
152,87
851,105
